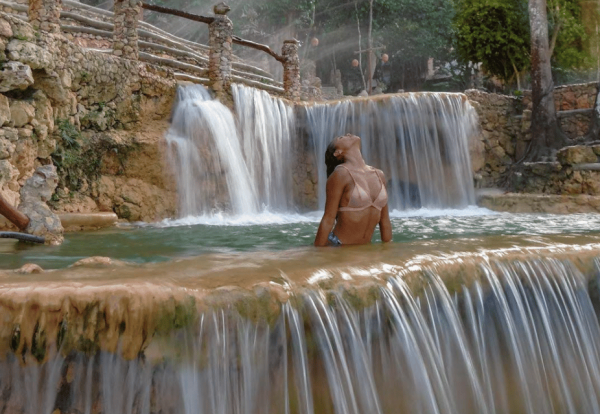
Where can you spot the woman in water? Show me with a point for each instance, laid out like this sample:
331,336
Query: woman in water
356,197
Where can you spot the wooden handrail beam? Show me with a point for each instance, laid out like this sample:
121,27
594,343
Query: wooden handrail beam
208,20
13,215
258,46
189,16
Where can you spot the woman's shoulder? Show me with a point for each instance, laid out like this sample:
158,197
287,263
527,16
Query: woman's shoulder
340,172
378,171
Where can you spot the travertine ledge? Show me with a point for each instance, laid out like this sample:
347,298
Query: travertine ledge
540,203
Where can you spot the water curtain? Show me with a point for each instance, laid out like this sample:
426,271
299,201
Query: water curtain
521,336
224,165
419,140
244,164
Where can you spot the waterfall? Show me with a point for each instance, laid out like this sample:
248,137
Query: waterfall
419,140
224,165
520,336
266,126
243,163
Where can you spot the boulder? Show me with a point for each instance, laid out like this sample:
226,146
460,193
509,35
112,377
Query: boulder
8,173
29,268
38,189
5,29
577,154
21,113
7,148
15,75
4,110
52,86
29,53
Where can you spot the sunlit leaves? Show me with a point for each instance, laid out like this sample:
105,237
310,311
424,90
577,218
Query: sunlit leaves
495,33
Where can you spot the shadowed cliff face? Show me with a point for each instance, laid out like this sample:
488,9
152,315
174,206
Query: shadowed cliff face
381,328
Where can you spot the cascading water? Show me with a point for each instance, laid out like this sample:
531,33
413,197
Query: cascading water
205,150
266,128
419,140
224,165
521,337
245,164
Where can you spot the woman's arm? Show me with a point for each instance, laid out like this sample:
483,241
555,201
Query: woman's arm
335,188
385,227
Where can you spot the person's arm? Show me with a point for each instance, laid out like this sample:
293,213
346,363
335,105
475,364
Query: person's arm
335,188
385,227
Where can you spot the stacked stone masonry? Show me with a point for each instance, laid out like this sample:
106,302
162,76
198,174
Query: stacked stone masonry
220,40
53,92
573,173
126,17
505,122
45,15
291,70
569,97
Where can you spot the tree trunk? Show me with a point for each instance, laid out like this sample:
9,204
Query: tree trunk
546,135
362,74
594,131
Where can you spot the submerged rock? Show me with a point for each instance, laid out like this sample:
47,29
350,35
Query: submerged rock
97,261
29,268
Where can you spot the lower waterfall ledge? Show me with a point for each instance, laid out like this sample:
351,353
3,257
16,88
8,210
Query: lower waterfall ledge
135,310
540,203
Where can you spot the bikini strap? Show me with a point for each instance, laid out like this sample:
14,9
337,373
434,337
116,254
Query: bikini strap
378,176
349,172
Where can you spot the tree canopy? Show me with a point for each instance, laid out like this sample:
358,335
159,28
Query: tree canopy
493,32
496,33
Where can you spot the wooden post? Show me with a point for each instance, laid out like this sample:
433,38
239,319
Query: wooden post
13,215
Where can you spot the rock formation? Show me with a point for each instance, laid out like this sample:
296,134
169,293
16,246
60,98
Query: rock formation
38,189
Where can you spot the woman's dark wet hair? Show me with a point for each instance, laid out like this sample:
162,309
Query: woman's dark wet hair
330,161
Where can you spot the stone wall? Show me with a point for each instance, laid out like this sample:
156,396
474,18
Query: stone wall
62,104
573,173
501,134
505,122
569,97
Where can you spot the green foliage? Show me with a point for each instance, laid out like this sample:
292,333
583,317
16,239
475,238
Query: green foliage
69,156
565,17
79,159
495,33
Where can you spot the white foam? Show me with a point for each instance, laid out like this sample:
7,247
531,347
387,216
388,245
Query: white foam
267,217
433,212
222,219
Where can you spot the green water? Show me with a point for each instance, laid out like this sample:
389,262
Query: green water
146,243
